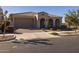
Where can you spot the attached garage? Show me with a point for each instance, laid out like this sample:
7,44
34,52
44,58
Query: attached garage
22,21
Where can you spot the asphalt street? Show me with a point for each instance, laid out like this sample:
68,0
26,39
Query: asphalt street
64,44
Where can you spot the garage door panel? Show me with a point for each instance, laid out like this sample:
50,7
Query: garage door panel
24,22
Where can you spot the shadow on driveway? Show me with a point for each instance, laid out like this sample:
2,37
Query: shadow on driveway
35,42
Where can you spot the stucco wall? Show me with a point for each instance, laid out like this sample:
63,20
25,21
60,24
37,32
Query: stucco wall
28,20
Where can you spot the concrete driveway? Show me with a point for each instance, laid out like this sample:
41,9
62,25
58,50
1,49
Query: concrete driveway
28,30
36,35
27,34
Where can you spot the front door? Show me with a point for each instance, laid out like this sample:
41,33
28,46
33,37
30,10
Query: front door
42,23
50,23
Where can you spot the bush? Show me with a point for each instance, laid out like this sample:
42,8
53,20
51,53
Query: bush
45,31
58,29
54,33
3,24
10,30
63,26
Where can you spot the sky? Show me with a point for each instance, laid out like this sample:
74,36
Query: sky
55,10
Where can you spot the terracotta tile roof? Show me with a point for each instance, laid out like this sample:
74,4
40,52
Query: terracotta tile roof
32,14
24,13
53,15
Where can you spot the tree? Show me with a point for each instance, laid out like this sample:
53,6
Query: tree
2,25
72,18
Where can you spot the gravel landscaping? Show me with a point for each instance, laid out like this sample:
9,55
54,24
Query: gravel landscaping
6,38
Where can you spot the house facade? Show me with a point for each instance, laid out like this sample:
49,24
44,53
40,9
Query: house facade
35,20
1,17
1,14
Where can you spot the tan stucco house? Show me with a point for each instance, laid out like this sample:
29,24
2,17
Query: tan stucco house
35,20
1,15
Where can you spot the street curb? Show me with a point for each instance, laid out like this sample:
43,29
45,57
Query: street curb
8,39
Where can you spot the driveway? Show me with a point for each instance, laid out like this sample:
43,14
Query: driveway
28,30
27,34
36,35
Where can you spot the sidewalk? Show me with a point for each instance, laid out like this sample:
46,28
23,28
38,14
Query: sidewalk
66,33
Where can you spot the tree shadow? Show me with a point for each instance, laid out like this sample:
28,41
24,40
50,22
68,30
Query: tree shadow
38,41
35,42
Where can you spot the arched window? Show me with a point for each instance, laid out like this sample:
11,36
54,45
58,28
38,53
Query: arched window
42,23
57,23
50,23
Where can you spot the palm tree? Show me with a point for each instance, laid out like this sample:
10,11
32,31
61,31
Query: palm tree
72,18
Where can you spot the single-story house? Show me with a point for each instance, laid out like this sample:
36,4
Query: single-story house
1,15
35,20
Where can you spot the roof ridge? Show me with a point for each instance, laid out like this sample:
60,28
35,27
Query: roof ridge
24,12
54,15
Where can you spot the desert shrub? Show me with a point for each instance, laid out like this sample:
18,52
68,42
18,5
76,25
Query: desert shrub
3,25
45,30
58,29
54,33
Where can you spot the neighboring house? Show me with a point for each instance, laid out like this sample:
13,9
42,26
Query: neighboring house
35,20
1,15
